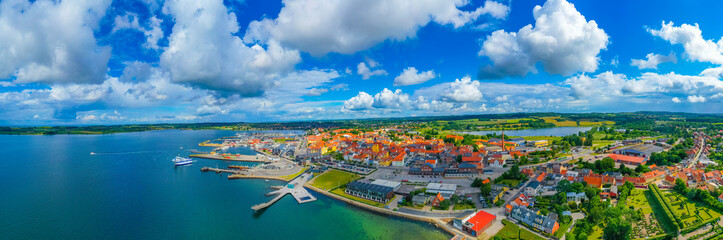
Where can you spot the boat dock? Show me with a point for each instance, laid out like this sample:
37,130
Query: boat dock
295,188
220,170
230,157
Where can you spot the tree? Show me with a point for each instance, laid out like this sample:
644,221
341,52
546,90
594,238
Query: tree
596,215
486,189
459,158
454,198
680,186
564,186
477,182
444,204
617,229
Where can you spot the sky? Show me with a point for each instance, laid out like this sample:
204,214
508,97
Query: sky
76,62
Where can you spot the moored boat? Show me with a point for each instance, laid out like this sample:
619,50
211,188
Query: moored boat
180,161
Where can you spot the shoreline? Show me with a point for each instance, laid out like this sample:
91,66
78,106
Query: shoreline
436,222
242,158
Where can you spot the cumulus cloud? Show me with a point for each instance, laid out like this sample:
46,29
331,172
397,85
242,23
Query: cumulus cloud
602,85
676,100
361,101
410,76
388,99
653,60
366,72
562,40
691,37
610,86
204,51
463,90
348,26
696,99
52,41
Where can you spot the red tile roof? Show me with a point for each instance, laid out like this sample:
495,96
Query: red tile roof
480,219
625,158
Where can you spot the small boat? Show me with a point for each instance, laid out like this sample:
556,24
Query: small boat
180,161
92,153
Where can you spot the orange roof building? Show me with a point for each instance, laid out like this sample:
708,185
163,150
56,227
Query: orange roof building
625,159
477,223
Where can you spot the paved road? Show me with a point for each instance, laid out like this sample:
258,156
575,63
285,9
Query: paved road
436,214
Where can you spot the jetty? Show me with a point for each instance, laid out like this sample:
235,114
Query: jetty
295,188
220,170
231,157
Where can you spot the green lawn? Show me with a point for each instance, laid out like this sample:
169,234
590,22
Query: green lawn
602,143
514,232
463,206
637,199
333,178
340,192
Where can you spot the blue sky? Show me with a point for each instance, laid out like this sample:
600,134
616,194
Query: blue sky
145,61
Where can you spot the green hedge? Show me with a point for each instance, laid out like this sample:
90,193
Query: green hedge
666,207
699,225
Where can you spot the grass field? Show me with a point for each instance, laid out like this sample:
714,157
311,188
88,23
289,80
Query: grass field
514,232
602,143
333,178
340,192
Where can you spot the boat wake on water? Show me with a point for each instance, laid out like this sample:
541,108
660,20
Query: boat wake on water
117,153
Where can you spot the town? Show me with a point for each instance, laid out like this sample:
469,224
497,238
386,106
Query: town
495,186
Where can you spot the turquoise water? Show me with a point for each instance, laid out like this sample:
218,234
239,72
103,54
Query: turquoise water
556,131
51,187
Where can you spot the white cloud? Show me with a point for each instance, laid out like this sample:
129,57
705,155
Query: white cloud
463,90
52,41
653,60
690,36
601,86
348,26
696,99
502,98
365,71
361,101
388,99
562,40
316,91
676,100
410,76
203,51
608,86
340,87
